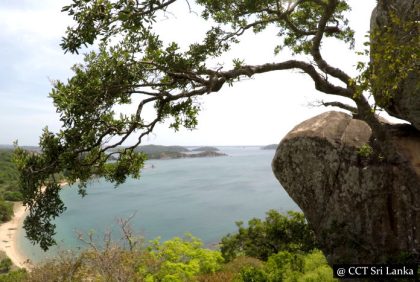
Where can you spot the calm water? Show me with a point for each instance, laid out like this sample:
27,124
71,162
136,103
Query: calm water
203,196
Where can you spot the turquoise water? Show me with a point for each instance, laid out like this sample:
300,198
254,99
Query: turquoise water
203,196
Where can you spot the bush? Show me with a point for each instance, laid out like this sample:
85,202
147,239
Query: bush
173,260
287,266
262,239
182,259
5,265
13,196
179,259
6,211
14,276
231,270
9,177
253,274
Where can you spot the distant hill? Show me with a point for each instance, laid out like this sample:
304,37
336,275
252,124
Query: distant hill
205,149
28,148
176,152
270,147
206,154
150,149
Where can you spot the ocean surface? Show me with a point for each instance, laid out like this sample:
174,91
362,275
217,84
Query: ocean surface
201,196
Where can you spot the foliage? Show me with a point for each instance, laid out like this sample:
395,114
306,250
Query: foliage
230,271
262,239
6,211
176,260
9,176
5,265
173,260
288,266
365,151
180,260
14,276
284,266
393,56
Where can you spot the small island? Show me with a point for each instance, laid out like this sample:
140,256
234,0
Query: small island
205,149
270,147
156,152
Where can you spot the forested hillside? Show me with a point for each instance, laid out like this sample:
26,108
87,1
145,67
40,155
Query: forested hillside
8,177
9,190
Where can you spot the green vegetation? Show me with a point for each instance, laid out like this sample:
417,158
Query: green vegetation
14,276
5,265
174,260
9,187
394,55
261,239
6,211
179,260
9,177
365,151
150,149
176,152
162,152
288,266
8,271
206,149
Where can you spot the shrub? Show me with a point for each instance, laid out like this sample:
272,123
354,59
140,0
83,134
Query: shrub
262,239
6,211
181,259
13,196
287,266
14,276
253,274
231,271
174,260
5,265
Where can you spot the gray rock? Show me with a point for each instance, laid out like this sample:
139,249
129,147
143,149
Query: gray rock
362,209
405,103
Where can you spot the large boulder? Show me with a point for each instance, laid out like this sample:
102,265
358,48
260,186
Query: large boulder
405,103
362,209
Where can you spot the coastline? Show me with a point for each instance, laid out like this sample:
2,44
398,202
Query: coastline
9,236
9,232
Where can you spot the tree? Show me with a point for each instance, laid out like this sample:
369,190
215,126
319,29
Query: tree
6,211
132,60
276,233
5,265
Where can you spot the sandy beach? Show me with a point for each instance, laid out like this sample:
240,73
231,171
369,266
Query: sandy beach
8,236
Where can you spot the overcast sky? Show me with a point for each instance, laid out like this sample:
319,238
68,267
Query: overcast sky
256,111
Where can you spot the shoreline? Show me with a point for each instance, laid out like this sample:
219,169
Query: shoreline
9,236
9,232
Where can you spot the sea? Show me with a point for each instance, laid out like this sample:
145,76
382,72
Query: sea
200,196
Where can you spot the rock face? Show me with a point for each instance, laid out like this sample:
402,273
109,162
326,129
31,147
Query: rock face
406,101
362,209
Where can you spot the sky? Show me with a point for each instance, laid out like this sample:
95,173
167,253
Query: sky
256,111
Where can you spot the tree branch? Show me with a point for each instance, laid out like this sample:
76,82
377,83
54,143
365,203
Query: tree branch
343,106
316,43
321,83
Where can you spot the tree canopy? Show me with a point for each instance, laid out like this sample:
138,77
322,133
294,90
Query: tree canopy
131,60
